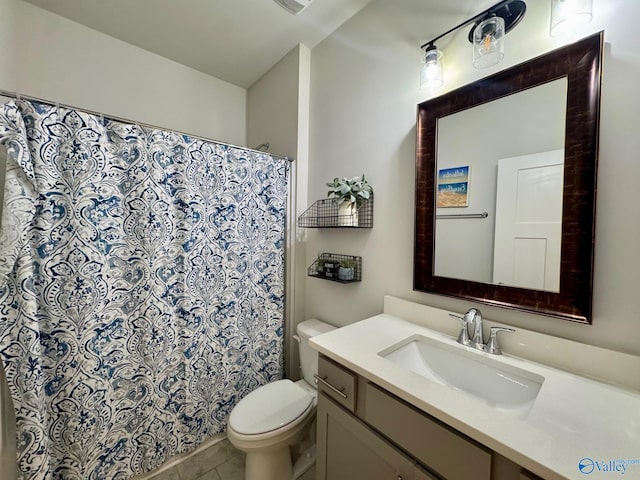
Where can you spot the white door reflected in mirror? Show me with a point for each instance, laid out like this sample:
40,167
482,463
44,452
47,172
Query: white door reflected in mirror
529,221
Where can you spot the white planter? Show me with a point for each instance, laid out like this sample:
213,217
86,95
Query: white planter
345,273
347,215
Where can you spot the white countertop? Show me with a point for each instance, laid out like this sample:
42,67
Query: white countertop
572,418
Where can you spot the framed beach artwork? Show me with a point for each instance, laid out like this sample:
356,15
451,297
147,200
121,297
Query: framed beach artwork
453,187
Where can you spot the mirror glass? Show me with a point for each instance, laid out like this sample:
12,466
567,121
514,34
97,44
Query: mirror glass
505,186
504,159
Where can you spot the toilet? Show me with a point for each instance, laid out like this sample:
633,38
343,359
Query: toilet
270,420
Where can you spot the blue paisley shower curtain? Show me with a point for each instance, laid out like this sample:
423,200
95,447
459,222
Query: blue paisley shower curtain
141,288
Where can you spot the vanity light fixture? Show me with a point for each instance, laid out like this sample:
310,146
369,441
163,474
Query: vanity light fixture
488,42
569,14
487,36
431,72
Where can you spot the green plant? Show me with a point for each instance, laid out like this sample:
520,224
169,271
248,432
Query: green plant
351,190
320,263
347,263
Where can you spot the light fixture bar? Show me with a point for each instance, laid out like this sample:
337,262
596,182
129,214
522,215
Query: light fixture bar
511,10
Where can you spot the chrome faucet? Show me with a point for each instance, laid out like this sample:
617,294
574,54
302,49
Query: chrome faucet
474,317
477,341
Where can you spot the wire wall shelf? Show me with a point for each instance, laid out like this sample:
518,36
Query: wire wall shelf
337,268
325,214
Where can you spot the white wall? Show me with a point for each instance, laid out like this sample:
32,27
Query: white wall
278,113
272,107
50,57
363,103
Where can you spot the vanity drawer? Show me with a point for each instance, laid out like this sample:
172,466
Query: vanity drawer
436,446
337,382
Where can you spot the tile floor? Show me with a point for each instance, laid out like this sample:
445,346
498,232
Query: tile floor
218,462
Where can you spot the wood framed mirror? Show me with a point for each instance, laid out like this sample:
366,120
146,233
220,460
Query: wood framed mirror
445,256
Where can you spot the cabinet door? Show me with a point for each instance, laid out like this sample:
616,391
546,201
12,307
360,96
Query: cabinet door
348,449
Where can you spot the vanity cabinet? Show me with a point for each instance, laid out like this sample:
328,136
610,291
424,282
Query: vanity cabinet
366,432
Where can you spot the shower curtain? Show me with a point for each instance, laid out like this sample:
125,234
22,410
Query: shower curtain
141,288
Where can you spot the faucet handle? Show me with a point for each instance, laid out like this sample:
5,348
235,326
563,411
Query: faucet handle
493,346
463,338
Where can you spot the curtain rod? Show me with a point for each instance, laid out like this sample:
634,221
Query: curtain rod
18,96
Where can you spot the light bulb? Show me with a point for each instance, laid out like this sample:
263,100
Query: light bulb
488,42
431,72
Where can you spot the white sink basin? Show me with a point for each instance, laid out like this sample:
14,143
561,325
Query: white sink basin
503,387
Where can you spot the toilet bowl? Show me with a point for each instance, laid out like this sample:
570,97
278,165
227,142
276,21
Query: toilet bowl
270,420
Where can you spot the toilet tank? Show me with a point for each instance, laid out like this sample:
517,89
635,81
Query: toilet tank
309,356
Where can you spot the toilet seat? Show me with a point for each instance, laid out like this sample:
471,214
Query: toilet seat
270,408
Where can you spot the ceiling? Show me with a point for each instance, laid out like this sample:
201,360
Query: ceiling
234,40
